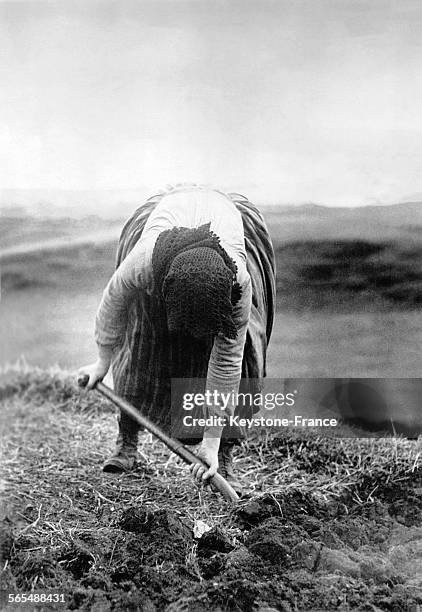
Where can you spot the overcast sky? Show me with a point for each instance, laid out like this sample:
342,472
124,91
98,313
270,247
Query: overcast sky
287,101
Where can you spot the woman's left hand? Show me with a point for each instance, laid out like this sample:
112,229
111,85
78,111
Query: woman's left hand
94,371
208,452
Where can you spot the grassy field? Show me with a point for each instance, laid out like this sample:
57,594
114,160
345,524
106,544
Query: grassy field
49,300
327,524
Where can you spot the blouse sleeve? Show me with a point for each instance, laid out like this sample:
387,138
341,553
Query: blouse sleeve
225,364
133,274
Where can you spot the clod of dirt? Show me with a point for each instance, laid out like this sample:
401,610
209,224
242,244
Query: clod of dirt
212,566
333,561
136,520
356,531
376,567
306,554
274,540
77,559
240,557
164,522
213,547
215,540
254,512
159,537
293,505
407,511
97,580
128,559
401,499
321,532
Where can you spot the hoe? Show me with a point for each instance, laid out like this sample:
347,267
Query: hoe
175,446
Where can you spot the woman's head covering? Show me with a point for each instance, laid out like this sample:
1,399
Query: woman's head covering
197,281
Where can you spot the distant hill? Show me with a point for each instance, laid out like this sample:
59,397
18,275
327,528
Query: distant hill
26,232
342,259
68,218
314,222
117,203
113,203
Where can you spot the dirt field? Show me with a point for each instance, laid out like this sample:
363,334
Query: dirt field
338,527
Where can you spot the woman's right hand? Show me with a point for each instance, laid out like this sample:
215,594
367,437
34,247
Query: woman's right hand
95,372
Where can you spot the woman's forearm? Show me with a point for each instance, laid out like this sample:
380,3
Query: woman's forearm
105,353
111,317
225,365
131,276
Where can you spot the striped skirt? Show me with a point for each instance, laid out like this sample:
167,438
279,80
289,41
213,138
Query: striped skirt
149,357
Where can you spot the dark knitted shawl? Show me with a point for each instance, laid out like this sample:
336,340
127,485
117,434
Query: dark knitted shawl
197,281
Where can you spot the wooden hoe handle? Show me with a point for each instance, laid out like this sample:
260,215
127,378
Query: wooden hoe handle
174,445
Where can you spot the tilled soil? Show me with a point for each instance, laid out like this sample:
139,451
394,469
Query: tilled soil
131,543
290,553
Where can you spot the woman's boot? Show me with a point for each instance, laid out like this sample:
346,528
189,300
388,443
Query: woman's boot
225,465
125,455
